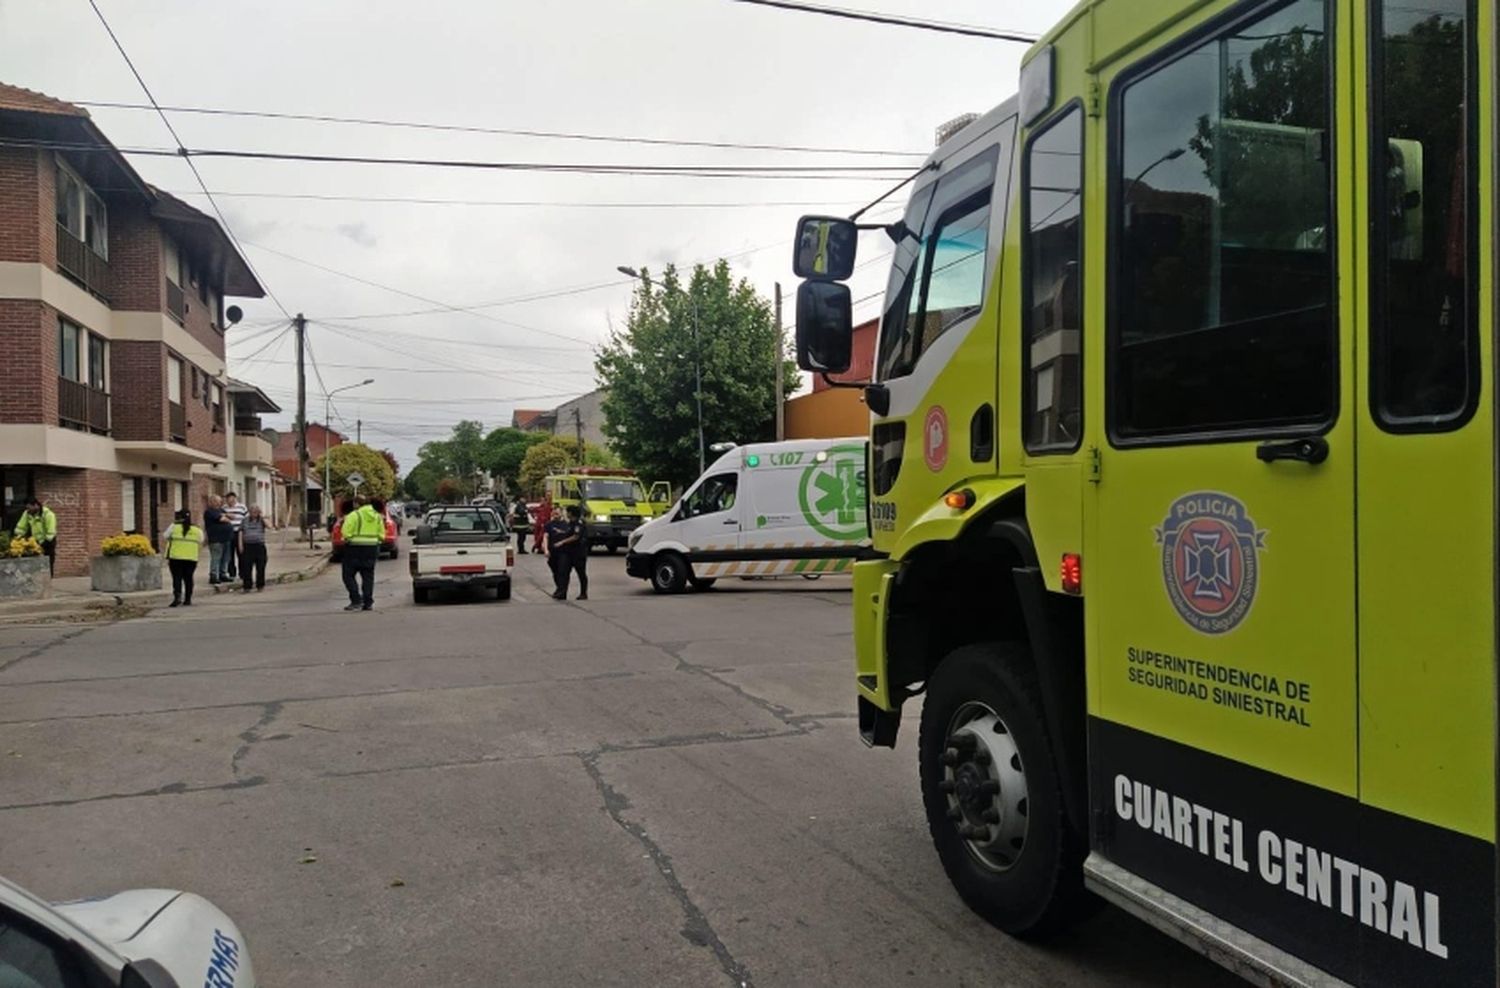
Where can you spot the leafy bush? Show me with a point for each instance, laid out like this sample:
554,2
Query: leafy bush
127,545
17,548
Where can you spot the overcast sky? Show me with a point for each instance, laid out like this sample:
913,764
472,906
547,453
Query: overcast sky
680,69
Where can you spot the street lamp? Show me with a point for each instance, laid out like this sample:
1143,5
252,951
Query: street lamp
630,272
327,408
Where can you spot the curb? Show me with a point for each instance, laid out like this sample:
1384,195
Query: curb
105,607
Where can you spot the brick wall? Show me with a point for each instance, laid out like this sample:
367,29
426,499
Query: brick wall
20,205
138,374
28,361
203,429
137,282
88,505
199,321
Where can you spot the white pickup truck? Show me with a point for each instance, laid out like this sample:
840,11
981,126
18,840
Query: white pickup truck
460,546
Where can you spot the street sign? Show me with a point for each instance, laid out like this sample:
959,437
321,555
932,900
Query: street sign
356,479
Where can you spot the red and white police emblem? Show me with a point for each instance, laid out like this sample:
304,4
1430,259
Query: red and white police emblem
1210,560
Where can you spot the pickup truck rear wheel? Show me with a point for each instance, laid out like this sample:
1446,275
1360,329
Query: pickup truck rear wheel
992,794
669,573
502,592
419,594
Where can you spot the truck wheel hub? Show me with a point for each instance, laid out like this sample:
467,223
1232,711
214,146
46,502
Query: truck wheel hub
985,786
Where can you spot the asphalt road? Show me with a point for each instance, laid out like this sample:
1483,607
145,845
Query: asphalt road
633,790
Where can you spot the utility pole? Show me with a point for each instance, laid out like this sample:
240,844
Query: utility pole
359,427
301,326
780,370
578,426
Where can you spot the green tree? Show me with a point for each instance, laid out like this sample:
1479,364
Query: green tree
347,458
459,455
422,482
650,414
503,450
555,455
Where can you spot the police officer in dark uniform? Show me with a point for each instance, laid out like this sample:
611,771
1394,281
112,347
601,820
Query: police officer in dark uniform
568,550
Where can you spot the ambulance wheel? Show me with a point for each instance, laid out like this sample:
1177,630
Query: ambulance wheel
669,573
703,582
992,795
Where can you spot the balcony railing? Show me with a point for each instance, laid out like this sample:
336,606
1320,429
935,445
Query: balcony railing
251,447
76,259
175,301
177,419
82,407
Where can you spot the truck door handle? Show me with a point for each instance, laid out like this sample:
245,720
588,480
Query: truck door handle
1309,449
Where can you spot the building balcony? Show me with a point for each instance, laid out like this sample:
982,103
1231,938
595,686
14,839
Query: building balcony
82,407
177,421
78,261
249,447
176,301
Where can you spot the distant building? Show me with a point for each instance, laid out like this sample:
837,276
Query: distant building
830,412
320,439
585,413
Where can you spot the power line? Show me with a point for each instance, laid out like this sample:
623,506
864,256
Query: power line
519,203
420,298
836,173
945,27
173,131
506,131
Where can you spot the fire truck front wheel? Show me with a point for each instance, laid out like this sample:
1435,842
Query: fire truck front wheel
990,788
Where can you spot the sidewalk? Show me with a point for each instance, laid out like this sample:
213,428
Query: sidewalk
72,599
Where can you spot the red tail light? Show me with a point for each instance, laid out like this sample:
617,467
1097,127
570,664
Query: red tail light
510,559
1072,573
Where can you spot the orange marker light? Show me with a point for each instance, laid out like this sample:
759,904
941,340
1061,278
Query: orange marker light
1072,573
960,500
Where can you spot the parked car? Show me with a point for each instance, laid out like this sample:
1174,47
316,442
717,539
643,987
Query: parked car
389,547
143,939
461,546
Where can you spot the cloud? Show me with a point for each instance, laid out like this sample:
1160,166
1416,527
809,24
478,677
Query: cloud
357,232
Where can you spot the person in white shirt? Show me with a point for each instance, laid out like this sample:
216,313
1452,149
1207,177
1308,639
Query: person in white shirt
234,513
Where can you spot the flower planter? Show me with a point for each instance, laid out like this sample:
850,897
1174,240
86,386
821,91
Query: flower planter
125,574
25,578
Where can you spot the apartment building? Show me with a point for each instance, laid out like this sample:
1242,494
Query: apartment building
113,400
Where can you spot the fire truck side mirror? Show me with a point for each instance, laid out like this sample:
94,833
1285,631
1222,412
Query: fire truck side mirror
825,327
825,248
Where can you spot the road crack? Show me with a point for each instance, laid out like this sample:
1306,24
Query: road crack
697,929
59,640
269,712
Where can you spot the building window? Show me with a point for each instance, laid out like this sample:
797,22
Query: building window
1223,275
174,380
129,486
1425,346
81,212
82,356
67,350
1052,284
193,377
171,260
218,404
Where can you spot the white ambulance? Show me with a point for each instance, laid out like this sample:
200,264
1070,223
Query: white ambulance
765,509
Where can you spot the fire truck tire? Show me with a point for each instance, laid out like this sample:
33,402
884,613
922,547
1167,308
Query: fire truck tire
992,795
669,573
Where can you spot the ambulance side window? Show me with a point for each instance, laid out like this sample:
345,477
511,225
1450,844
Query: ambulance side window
32,957
1222,314
715,494
1424,347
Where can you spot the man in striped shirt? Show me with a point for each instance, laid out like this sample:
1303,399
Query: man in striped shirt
234,513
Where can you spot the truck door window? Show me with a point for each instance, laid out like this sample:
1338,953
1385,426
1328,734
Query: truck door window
1222,235
1424,348
942,269
1052,260
31,957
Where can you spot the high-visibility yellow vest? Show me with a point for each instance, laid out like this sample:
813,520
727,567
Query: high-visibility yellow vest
180,546
363,527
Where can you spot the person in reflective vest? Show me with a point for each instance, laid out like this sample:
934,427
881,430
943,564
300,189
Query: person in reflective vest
40,523
184,542
363,530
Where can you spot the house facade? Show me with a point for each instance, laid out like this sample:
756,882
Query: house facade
114,406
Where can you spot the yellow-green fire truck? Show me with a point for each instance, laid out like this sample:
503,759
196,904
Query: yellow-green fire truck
613,502
1181,475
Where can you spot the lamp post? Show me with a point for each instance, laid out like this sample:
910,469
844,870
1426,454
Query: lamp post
630,272
327,408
